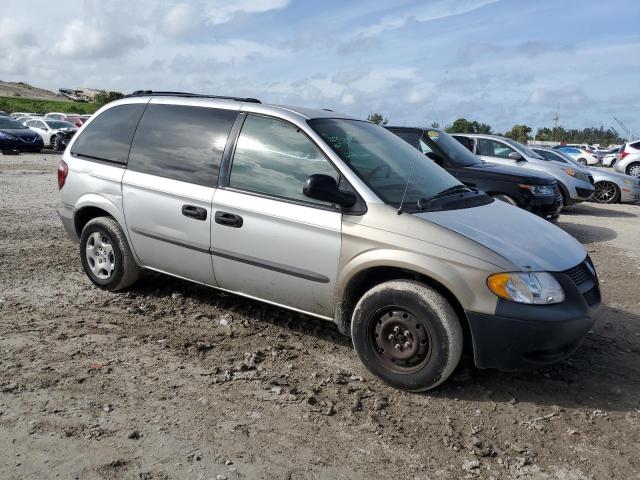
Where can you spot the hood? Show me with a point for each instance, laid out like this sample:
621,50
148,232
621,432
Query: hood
602,174
524,239
24,133
492,171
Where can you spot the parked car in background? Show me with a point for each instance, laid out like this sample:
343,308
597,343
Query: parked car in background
15,137
3,114
53,132
576,184
22,114
328,215
610,187
609,157
28,117
534,191
628,159
76,120
582,155
55,115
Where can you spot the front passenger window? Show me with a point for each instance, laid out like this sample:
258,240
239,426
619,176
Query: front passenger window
275,158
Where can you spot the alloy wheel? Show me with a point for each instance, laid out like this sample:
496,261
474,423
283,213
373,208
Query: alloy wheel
605,192
634,170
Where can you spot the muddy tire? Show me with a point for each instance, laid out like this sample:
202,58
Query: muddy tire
105,254
407,334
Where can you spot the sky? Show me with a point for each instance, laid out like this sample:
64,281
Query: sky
502,62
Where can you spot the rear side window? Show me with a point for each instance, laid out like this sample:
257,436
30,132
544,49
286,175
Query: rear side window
108,136
181,142
411,137
465,141
635,145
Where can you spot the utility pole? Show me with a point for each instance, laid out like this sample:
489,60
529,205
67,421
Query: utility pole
435,99
556,117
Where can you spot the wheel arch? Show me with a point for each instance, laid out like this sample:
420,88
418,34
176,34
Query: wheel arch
369,277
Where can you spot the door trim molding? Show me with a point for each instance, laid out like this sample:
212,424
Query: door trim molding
276,267
256,262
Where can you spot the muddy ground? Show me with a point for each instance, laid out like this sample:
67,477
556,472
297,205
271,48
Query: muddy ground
173,380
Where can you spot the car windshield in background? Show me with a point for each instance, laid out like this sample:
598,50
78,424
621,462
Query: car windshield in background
384,161
10,124
452,148
59,124
525,149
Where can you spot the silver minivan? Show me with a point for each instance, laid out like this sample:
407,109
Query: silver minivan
576,184
326,215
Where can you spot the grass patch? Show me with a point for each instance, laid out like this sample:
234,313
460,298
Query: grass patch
19,104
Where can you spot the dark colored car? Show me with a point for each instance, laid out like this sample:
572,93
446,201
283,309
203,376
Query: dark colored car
535,192
15,137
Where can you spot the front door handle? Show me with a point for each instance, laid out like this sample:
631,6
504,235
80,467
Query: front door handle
192,211
228,219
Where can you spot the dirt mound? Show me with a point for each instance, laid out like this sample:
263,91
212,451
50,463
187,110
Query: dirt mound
21,89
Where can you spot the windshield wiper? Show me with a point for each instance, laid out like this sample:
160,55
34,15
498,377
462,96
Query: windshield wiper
424,203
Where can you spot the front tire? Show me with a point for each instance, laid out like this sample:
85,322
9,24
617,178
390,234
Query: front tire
407,334
55,143
606,192
505,198
583,161
105,254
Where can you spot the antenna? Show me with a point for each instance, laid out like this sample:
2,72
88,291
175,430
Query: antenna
435,99
406,187
556,117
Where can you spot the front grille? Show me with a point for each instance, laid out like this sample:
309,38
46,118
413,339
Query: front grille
583,192
592,297
579,274
582,274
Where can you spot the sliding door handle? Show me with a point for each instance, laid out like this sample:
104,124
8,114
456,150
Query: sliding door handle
228,219
192,211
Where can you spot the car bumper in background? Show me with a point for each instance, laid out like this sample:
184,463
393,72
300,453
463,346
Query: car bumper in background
523,336
21,146
66,214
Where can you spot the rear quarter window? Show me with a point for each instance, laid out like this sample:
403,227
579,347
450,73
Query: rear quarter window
108,136
181,142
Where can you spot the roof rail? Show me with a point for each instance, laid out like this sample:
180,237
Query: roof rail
144,93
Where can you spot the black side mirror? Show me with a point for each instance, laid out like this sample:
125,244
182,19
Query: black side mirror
325,188
435,157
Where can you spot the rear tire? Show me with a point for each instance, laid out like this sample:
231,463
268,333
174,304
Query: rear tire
407,334
55,143
105,254
583,161
634,169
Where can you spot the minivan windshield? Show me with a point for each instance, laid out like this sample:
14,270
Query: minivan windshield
528,152
452,148
384,161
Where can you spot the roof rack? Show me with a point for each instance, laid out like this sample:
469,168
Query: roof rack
144,93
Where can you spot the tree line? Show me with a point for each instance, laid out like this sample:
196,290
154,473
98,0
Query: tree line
523,133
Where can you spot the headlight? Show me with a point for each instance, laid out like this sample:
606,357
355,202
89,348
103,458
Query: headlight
532,288
630,181
569,171
538,189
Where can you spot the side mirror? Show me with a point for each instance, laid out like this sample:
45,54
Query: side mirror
515,156
435,157
325,188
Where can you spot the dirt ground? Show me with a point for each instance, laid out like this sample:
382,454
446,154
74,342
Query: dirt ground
173,380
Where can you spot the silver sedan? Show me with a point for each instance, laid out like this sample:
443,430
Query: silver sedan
610,187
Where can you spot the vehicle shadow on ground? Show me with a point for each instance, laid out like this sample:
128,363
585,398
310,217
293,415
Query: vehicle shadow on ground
159,285
604,373
601,210
587,234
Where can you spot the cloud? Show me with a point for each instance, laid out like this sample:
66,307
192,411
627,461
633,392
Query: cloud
566,95
222,11
182,19
95,39
435,10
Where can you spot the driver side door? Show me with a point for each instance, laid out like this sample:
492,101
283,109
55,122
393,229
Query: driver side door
268,240
495,151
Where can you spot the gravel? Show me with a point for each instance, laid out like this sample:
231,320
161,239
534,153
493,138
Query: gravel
174,380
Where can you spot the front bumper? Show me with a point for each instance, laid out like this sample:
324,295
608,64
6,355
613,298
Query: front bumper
66,214
520,336
21,145
629,194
